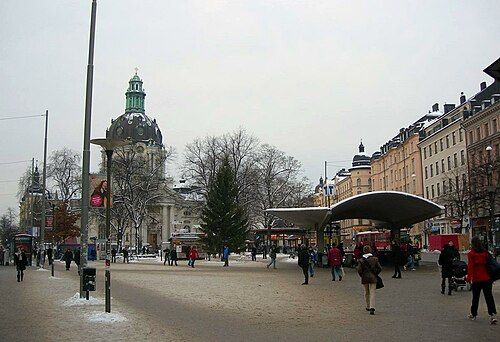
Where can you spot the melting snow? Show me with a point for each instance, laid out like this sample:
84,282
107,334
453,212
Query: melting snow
105,317
76,301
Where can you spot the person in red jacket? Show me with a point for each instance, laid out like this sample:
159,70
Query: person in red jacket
481,280
192,256
335,260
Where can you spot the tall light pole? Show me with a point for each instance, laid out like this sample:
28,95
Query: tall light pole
108,145
491,197
44,183
84,229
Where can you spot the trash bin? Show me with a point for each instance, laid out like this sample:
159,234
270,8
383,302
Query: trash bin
89,278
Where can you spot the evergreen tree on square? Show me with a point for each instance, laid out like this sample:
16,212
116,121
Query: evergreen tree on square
225,220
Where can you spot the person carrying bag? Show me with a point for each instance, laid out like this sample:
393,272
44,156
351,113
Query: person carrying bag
368,269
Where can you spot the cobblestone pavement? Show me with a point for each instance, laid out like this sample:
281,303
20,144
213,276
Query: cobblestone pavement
243,302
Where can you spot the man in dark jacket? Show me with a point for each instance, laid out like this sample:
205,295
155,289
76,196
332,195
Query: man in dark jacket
173,257
68,257
20,261
304,263
396,258
448,254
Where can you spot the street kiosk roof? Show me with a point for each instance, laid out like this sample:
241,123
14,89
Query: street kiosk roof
399,209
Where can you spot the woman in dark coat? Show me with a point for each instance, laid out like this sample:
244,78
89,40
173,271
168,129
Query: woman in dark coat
68,257
304,263
20,261
396,259
173,257
368,269
448,254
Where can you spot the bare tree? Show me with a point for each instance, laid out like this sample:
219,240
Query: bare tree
456,193
8,228
138,183
65,171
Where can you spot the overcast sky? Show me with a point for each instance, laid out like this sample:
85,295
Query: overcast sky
310,77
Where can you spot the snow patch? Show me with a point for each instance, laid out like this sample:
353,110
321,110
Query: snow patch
77,301
42,270
105,317
54,278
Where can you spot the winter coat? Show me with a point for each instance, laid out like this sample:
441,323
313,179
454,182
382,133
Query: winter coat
476,271
313,257
173,254
448,254
303,258
334,257
20,261
368,269
226,252
396,255
68,256
272,254
193,254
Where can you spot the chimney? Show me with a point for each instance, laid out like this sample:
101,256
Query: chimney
482,86
435,107
448,107
462,98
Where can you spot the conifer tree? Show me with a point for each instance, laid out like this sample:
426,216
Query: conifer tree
225,220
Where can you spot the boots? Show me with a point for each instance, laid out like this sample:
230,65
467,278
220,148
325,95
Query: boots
449,291
442,289
18,277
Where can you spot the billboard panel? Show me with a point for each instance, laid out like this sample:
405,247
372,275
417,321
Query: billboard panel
98,191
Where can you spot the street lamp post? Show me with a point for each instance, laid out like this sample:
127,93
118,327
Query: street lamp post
108,145
491,198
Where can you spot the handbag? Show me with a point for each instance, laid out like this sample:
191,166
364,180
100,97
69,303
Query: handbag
493,267
380,283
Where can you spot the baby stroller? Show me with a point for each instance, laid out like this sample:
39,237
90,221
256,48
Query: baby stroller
459,274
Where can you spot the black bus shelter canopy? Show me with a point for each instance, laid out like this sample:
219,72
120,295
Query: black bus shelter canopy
398,209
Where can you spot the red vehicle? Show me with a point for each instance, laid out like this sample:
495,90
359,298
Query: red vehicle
382,239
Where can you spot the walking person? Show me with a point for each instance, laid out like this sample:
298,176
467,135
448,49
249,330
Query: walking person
68,257
411,261
481,280
113,255
313,260
448,254
125,255
304,263
254,253
272,254
77,259
20,261
396,259
1,255
50,251
192,255
173,257
335,260
225,255
167,256
368,269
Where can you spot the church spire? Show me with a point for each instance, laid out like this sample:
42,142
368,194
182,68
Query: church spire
135,95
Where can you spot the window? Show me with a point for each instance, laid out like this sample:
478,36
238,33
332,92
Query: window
471,137
432,170
435,147
442,165
430,150
454,138
432,191
427,192
460,135
444,187
447,141
494,127
437,168
449,163
455,160
426,175
425,152
358,182
486,130
478,133
438,188
462,157
441,144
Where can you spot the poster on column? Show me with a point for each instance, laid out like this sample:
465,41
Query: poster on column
98,191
